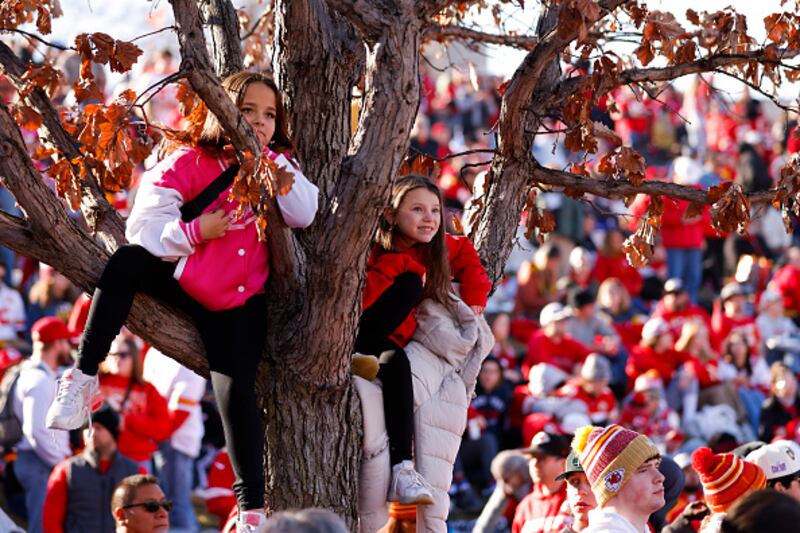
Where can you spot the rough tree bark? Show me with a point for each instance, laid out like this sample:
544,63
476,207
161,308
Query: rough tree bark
321,51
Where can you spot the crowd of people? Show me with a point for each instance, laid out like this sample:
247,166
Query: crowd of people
614,398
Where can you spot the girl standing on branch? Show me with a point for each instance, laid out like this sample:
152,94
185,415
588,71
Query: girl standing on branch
213,267
412,259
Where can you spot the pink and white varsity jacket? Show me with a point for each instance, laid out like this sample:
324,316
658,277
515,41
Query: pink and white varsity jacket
222,273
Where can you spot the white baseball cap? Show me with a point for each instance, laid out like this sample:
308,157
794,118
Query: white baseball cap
552,312
777,459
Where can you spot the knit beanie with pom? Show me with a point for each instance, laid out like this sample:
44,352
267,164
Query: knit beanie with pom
610,456
725,478
402,511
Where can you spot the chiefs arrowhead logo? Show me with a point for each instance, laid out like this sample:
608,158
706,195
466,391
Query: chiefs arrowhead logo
613,480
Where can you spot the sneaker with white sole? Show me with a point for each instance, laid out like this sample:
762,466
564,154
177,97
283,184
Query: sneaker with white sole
251,522
408,486
77,396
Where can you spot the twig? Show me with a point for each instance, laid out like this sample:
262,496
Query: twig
257,23
165,28
42,40
160,85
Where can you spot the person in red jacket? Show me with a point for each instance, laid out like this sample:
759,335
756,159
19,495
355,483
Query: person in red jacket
412,259
552,345
786,282
611,263
143,411
655,352
676,308
219,496
591,387
731,315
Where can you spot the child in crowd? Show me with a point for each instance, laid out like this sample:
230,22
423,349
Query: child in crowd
213,267
412,259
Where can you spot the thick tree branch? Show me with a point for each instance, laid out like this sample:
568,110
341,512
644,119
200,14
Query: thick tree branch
101,218
438,32
285,256
226,45
370,17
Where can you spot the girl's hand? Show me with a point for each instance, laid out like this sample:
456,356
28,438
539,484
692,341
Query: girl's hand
213,225
477,309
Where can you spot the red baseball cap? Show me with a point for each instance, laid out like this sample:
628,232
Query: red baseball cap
50,329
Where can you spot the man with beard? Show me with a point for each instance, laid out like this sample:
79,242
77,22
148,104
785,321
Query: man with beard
580,498
40,448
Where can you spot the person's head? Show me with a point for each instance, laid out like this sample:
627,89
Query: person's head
547,258
736,351
414,217
783,384
501,326
725,478
139,506
613,295
676,298
491,375
693,338
580,262
546,456
656,334
306,521
780,462
762,511
402,519
734,299
51,341
771,304
622,467
582,304
580,497
553,319
124,360
102,439
511,472
595,374
612,243
258,98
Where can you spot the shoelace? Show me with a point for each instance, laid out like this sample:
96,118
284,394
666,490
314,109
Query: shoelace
71,395
417,481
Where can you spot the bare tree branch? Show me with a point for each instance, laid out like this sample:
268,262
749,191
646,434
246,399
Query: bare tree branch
226,44
285,256
369,17
101,218
454,32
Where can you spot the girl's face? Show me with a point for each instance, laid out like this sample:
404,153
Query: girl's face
259,110
501,327
491,376
417,219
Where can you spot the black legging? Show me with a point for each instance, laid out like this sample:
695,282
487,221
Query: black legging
376,324
233,339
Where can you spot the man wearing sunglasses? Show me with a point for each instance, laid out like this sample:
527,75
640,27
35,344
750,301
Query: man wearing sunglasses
139,506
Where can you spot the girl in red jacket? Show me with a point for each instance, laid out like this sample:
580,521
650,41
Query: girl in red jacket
143,414
412,259
207,261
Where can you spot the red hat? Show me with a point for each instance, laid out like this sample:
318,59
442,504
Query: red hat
726,479
402,511
50,329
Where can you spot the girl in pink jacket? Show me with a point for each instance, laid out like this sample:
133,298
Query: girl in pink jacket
213,267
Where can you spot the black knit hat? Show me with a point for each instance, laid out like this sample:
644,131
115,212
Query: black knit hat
108,418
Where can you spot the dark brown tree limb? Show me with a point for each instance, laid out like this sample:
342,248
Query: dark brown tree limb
437,32
100,217
370,17
226,44
196,61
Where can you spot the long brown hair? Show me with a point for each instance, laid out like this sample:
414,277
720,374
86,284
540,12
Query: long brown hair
437,265
213,137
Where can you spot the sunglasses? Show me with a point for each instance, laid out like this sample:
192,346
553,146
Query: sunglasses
151,506
121,355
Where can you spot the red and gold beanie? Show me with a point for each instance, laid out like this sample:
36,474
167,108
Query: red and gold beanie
402,511
725,478
610,456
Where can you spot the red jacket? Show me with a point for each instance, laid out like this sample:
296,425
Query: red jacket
676,319
145,418
564,355
618,267
465,268
601,408
643,358
675,232
220,498
786,281
540,513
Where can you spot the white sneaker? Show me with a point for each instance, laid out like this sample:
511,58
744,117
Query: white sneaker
77,396
251,522
408,486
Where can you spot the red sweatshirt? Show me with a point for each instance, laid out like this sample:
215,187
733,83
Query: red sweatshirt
787,282
465,268
675,232
601,408
145,418
643,358
564,354
618,267
220,498
541,513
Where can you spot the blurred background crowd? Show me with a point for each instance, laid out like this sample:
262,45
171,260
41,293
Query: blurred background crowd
699,348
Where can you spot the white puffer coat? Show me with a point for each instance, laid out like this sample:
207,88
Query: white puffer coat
445,356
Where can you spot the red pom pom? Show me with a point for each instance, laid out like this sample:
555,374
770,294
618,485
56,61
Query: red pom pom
703,460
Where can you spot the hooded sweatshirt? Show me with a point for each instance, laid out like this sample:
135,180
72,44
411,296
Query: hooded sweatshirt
605,521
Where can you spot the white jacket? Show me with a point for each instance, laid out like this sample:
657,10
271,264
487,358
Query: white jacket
604,521
445,354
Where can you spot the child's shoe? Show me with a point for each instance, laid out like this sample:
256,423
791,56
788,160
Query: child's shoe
365,366
408,486
76,397
251,522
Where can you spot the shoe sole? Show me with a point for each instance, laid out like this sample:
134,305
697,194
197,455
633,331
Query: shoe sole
420,500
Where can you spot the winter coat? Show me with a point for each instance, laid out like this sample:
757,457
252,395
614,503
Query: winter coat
465,268
445,353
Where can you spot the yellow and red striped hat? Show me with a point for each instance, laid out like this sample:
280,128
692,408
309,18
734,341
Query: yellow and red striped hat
402,511
725,478
610,456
